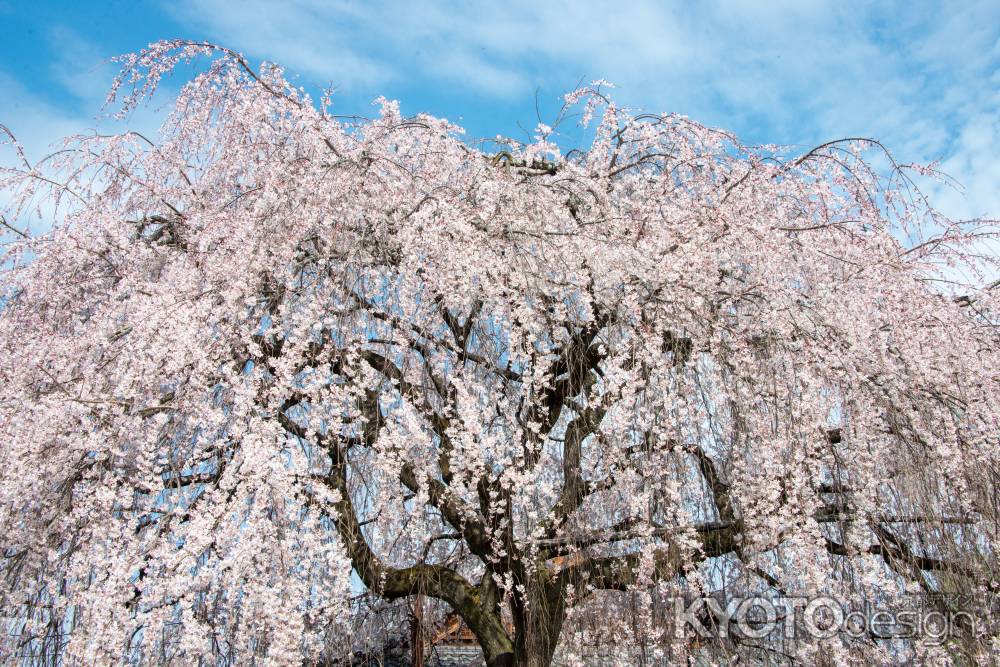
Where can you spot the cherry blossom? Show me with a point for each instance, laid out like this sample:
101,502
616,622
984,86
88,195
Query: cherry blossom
276,377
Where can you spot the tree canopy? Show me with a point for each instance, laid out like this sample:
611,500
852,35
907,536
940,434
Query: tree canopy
277,374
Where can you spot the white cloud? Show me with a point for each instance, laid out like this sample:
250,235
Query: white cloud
36,123
310,38
975,163
80,66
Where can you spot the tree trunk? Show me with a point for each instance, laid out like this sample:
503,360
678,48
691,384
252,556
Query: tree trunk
538,620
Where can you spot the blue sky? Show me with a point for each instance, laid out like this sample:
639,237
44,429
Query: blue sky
923,77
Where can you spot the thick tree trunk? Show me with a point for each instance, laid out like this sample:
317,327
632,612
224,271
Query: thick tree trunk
538,620
538,616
